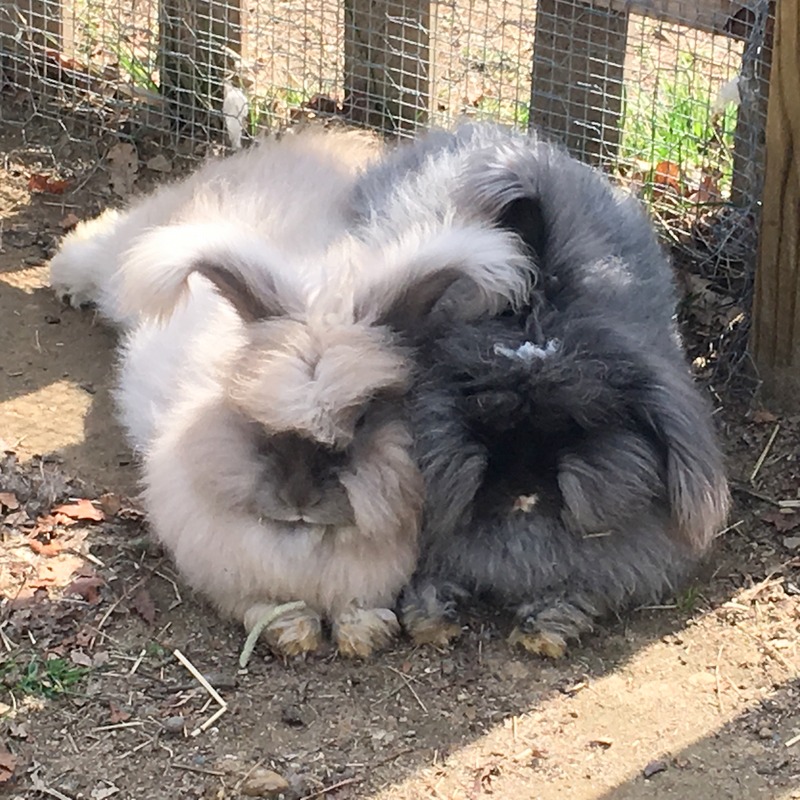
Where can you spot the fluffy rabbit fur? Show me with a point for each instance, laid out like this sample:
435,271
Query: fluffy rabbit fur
569,462
262,378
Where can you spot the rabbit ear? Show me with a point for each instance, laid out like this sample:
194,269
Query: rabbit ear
503,183
525,217
415,301
156,271
421,266
230,285
698,491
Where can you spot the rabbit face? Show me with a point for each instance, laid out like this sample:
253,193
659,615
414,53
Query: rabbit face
318,380
301,482
316,396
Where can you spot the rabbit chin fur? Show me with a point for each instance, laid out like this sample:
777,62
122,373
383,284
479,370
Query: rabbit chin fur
262,383
570,464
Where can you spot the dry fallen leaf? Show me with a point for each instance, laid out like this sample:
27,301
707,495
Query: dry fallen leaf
761,416
123,164
80,510
159,163
81,659
144,606
667,176
707,192
44,183
110,504
116,714
69,222
86,587
8,500
56,571
103,792
64,61
17,518
49,549
781,522
8,762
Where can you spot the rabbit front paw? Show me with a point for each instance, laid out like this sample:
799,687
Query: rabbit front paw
539,643
73,298
294,632
430,616
360,631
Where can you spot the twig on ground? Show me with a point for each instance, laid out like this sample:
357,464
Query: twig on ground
744,489
138,662
7,643
717,678
332,788
763,457
39,785
793,741
731,528
189,768
118,725
199,677
410,688
88,556
178,598
223,706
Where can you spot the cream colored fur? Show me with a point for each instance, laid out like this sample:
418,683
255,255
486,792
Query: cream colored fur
251,310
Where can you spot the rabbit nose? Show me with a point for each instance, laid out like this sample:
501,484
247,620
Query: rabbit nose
299,491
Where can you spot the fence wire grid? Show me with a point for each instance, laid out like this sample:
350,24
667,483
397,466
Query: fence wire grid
667,96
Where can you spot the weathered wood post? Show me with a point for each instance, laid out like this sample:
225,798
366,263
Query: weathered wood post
577,76
28,28
199,47
776,308
754,78
387,63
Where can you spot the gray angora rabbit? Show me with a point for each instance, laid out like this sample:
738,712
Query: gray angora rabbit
570,465
263,384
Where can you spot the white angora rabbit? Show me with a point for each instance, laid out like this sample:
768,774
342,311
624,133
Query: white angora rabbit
262,378
570,464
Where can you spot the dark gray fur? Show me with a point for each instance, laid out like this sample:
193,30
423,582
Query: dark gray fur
609,431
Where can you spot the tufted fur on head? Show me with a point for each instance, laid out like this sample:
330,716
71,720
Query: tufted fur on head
263,379
570,464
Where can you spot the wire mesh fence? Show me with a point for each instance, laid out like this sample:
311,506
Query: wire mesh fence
668,96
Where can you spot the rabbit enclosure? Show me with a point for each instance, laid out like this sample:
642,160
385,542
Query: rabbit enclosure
699,697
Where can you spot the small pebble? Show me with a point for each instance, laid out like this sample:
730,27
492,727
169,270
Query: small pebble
174,725
791,542
262,782
292,716
654,767
765,733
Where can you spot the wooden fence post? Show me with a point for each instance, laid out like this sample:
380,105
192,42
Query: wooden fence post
754,78
577,76
199,47
387,63
776,308
28,29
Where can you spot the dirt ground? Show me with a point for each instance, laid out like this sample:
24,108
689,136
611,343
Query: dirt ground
699,698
